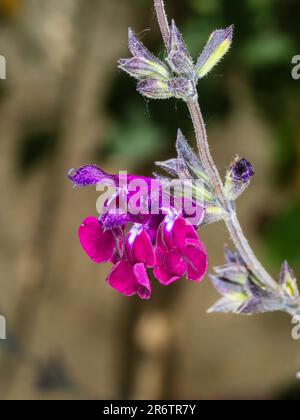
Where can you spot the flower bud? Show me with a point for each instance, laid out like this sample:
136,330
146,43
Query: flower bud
217,46
238,178
137,48
154,89
179,58
141,68
182,88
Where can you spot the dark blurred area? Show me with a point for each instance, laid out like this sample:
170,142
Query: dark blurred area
65,104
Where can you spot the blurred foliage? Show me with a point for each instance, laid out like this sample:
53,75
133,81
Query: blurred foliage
135,136
283,238
10,8
36,147
286,152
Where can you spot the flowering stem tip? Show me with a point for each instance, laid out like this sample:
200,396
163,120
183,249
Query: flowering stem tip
139,231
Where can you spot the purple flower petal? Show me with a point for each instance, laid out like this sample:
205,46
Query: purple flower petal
130,279
88,175
242,170
97,243
152,225
144,289
179,252
122,278
139,247
176,231
195,256
170,266
111,221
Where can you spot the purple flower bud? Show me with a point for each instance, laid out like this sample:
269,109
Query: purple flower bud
238,178
137,48
242,170
182,88
179,58
154,89
141,68
217,46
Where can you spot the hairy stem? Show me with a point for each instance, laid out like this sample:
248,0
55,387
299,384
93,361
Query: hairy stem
162,20
232,222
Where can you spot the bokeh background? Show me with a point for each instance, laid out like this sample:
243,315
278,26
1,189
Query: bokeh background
65,104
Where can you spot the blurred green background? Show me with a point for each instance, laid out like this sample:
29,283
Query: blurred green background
65,104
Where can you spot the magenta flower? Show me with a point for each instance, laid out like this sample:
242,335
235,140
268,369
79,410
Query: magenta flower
129,276
179,252
134,243
131,255
99,244
114,217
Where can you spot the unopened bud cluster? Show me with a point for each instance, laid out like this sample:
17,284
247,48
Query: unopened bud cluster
177,77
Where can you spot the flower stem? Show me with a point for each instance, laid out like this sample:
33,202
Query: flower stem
162,20
232,222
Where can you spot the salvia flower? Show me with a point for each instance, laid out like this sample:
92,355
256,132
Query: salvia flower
129,275
179,252
238,178
136,242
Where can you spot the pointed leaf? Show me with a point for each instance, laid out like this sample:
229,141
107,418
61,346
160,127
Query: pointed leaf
185,153
138,49
169,166
225,306
225,287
